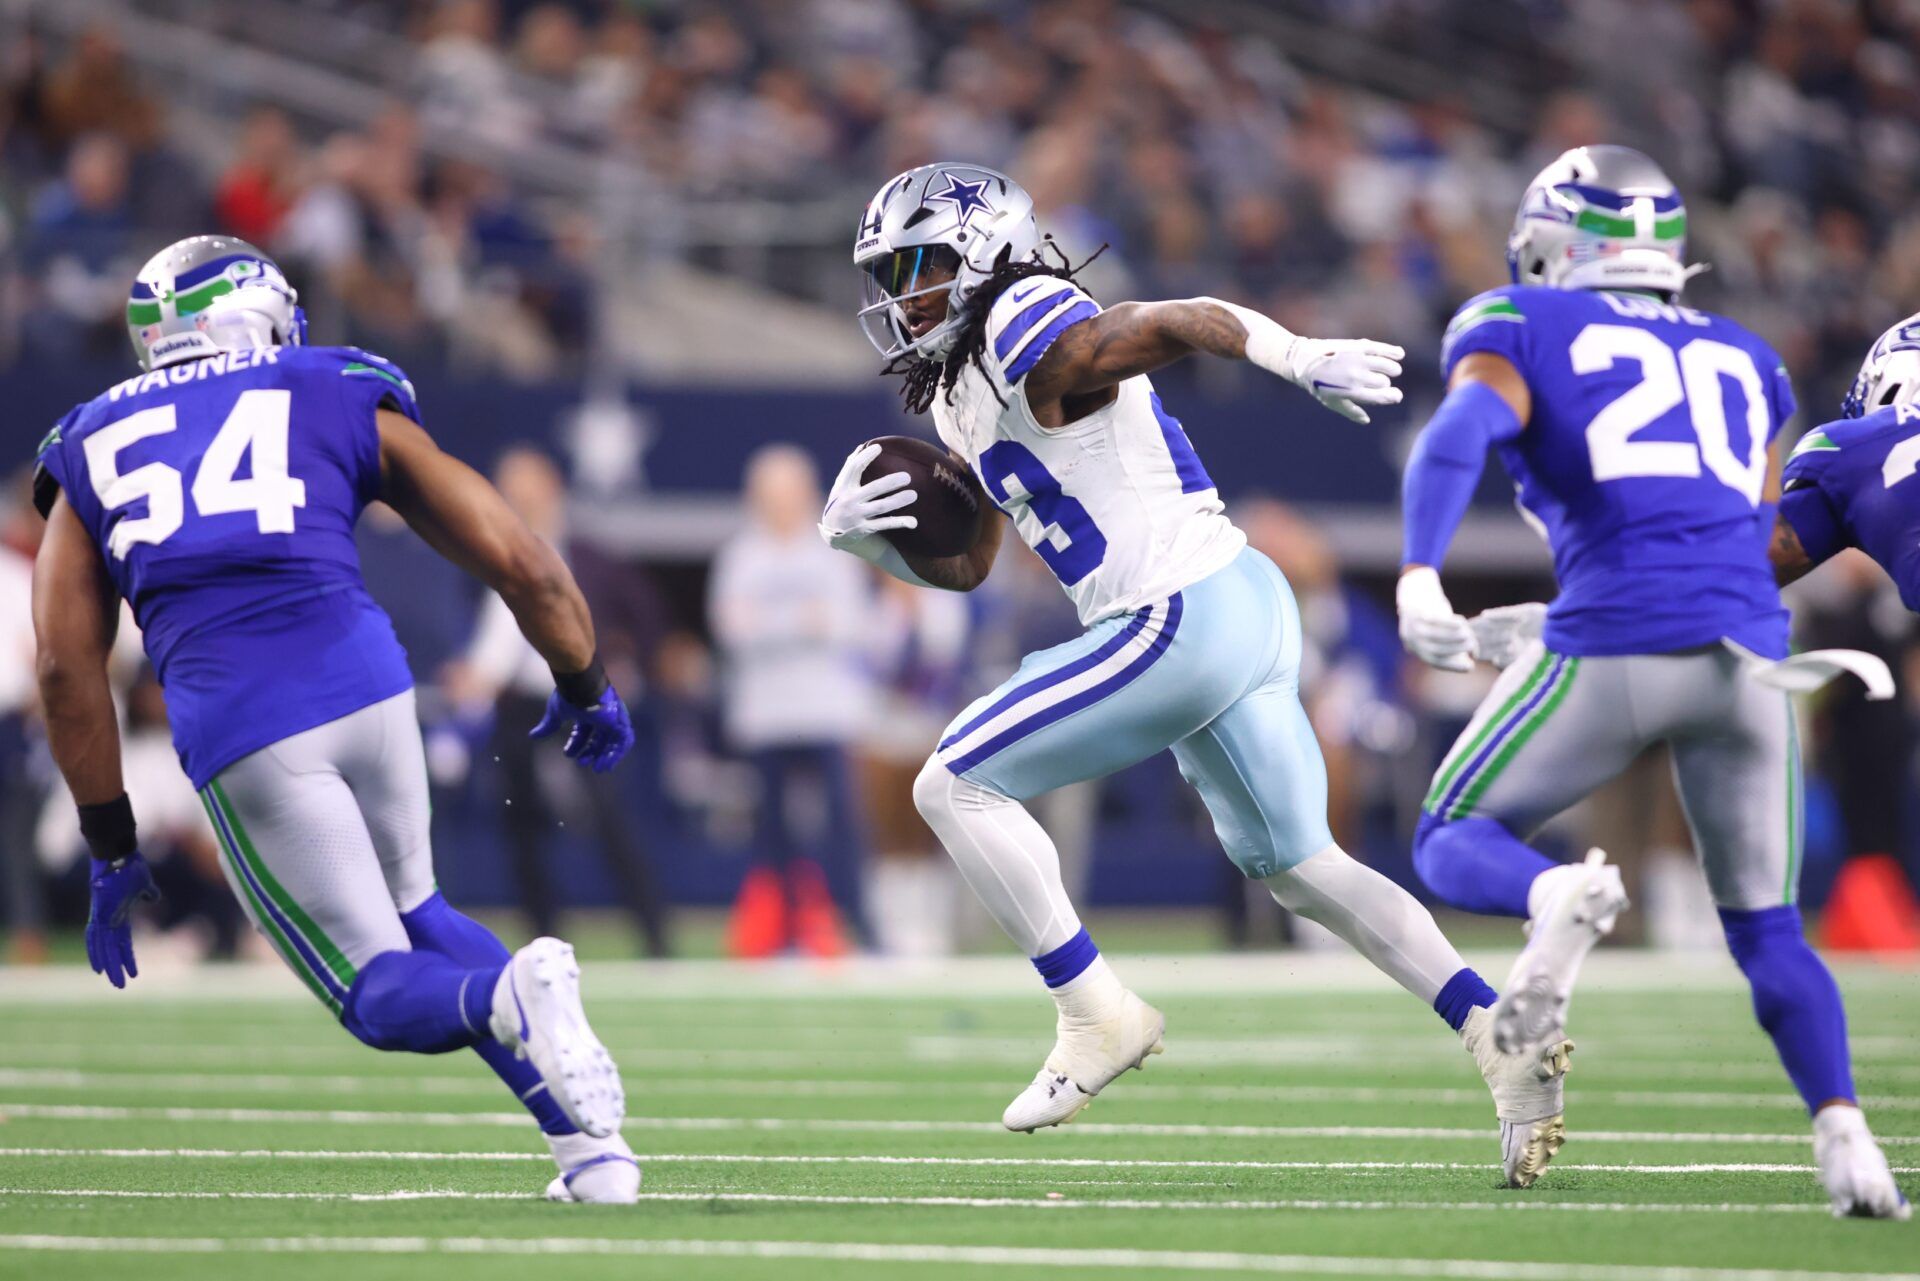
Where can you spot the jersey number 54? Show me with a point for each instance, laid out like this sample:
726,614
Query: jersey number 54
257,422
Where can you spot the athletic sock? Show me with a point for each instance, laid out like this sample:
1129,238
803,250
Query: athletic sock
1795,999
435,926
1476,864
1461,995
1374,916
1068,961
1006,857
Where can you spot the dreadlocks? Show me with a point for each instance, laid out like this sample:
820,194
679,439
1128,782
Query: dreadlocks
924,377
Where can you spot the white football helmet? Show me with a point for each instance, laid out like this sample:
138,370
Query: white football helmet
1890,375
208,294
966,219
1601,218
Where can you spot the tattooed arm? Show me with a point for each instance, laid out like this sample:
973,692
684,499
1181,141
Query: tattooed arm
1085,363
1790,560
969,569
1130,339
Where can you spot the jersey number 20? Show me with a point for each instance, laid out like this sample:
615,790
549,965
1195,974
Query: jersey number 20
1666,379
257,422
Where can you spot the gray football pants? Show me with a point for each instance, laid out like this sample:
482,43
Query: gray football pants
1555,727
324,838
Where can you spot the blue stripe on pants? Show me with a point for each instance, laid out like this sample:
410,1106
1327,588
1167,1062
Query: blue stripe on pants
1046,716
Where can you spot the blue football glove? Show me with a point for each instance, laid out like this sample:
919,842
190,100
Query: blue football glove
601,734
113,889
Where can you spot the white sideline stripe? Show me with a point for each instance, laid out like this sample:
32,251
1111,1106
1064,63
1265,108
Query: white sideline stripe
1036,1202
268,1082
974,1256
760,1158
816,1125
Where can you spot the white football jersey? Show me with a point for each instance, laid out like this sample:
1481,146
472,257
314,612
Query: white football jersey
1117,504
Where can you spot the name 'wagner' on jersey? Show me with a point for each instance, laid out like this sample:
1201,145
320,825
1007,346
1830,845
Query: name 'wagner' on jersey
222,493
1645,462
1117,503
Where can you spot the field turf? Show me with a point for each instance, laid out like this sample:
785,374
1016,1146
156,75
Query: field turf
799,1123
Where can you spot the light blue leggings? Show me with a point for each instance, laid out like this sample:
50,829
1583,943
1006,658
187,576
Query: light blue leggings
1212,672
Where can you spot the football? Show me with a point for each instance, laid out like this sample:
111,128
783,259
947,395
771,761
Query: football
948,501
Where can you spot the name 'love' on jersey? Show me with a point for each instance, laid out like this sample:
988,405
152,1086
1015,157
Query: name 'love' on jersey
1852,483
1644,461
222,493
1117,503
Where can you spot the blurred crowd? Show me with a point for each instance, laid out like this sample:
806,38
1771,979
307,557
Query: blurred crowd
1206,159
1209,159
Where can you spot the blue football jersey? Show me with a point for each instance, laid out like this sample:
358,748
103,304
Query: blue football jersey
1852,483
1644,463
222,494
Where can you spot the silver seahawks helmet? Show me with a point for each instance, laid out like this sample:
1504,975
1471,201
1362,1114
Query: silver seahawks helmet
208,294
1601,218
1890,375
963,219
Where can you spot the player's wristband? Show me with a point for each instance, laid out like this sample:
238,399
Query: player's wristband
108,828
1269,343
583,688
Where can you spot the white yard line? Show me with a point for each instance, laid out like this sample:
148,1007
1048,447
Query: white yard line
1334,1047
974,1256
759,1158
1305,975
340,1053
133,1194
826,1125
1035,1202
478,1083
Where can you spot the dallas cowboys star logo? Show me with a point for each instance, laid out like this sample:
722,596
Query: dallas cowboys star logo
967,198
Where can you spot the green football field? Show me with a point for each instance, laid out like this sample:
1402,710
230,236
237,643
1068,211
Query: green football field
799,1122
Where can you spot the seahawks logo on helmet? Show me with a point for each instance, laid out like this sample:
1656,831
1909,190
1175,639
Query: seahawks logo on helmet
1601,217
208,294
1890,375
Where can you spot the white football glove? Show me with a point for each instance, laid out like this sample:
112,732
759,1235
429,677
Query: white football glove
1500,634
1345,373
1429,628
859,511
1341,373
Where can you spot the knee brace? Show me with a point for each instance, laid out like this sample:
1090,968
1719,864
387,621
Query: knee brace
1476,864
435,926
419,1001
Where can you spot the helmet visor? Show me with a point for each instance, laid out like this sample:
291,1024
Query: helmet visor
907,271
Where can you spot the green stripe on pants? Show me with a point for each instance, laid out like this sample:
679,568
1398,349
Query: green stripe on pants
267,924
1791,890
1495,724
316,939
1526,730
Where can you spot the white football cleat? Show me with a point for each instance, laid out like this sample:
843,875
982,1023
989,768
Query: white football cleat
1572,907
1528,1097
537,1014
1853,1170
1087,1055
594,1171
